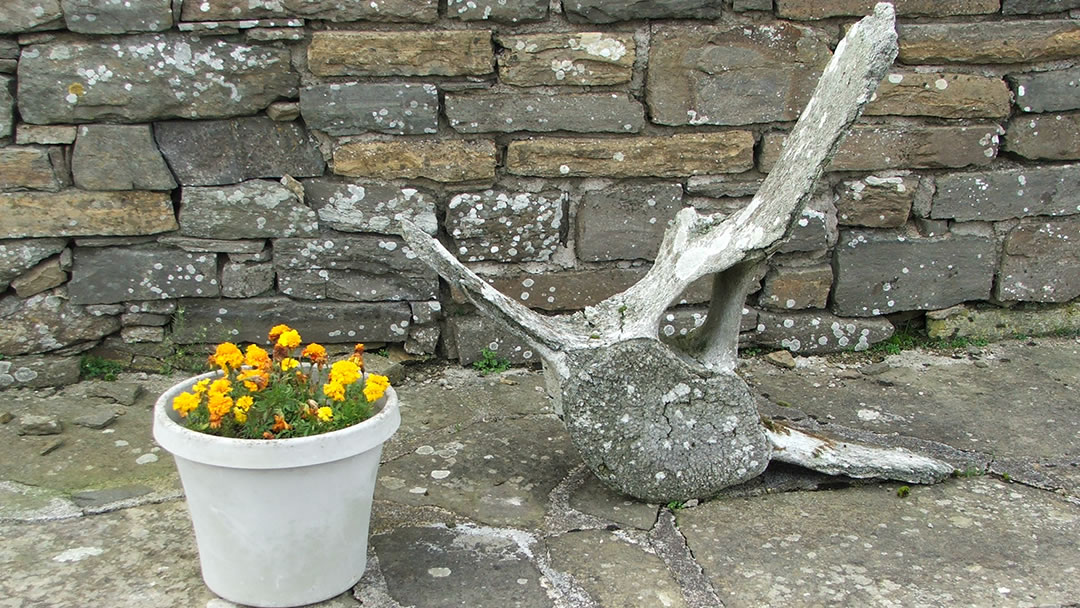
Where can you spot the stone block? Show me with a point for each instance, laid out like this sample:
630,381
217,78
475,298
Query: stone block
1045,136
626,221
402,53
752,5
941,95
1007,193
248,320
738,185
881,272
573,58
17,16
350,108
736,75
7,105
677,155
38,372
1037,7
992,323
426,313
876,202
19,256
119,157
507,11
610,11
438,160
815,9
422,340
506,226
879,147
43,277
255,209
1053,91
816,228
475,333
252,247
47,322
246,280
568,290
355,268
150,77
817,332
211,153
283,111
146,319
1039,261
26,134
106,275
79,213
798,287
112,17
936,43
27,168
579,113
369,206
422,11
142,334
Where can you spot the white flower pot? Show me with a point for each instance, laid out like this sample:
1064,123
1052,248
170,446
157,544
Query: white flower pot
279,522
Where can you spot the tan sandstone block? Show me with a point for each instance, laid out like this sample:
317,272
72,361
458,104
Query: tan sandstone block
442,161
581,58
81,213
423,53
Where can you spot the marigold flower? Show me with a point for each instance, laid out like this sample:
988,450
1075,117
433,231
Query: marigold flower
221,386
280,424
334,390
185,403
375,387
315,353
289,363
344,372
227,356
276,331
289,339
254,380
357,356
268,435
326,414
257,358
239,414
245,403
200,386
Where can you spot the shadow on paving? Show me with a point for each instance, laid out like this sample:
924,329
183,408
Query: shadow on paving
482,500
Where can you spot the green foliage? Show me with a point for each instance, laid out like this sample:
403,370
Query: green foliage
906,338
675,505
903,491
490,363
968,472
92,367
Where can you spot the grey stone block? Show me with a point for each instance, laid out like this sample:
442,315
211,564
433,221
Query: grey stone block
352,206
18,256
38,371
246,280
610,11
32,424
506,226
43,134
816,228
350,108
44,276
1037,7
508,11
17,16
1040,261
625,222
876,202
1045,136
112,17
580,113
150,77
818,331
248,320
733,75
737,185
111,274
7,106
119,157
883,272
252,210
209,153
423,11
47,322
1008,193
788,288
474,334
1052,91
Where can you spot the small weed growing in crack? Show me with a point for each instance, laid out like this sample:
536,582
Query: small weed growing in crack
675,505
968,472
99,368
903,491
490,363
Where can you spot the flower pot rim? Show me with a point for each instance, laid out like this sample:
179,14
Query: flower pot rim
241,453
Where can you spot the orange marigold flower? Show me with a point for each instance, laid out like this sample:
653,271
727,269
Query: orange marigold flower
227,356
257,358
315,353
254,380
280,424
289,339
221,386
357,356
268,435
276,331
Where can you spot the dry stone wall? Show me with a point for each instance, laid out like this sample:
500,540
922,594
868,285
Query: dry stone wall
182,171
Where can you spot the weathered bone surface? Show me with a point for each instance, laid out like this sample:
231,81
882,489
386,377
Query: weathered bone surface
663,425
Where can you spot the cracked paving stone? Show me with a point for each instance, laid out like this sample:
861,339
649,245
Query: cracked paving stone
594,498
972,542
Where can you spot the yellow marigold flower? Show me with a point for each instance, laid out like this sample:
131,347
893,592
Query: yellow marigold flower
315,353
289,339
185,403
245,403
221,386
334,390
254,380
326,414
375,387
344,372
276,331
219,405
289,363
382,381
227,356
257,358
239,414
200,386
